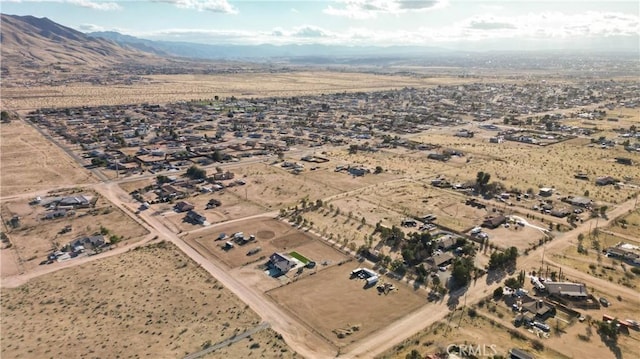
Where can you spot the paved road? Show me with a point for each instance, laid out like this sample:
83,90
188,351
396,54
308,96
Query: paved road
260,327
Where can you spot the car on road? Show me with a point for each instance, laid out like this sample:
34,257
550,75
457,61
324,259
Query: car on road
604,301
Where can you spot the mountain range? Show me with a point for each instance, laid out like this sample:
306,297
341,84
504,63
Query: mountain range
31,44
339,53
40,46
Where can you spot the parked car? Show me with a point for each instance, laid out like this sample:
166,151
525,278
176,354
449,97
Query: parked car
604,301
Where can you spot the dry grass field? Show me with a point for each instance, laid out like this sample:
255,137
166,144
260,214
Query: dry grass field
632,227
626,117
464,330
36,237
151,302
28,162
171,88
398,162
273,188
264,344
600,266
331,301
526,166
412,198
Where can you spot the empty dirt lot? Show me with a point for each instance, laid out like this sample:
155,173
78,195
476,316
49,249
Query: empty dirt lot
330,300
171,88
28,162
168,305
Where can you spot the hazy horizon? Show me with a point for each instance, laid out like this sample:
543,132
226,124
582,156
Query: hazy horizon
598,26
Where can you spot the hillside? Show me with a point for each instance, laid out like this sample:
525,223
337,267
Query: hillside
31,44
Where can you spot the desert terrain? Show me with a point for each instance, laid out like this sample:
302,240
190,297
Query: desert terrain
326,212
170,88
154,294
30,163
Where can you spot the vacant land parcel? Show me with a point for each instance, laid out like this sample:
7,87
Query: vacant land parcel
168,305
331,302
31,163
169,88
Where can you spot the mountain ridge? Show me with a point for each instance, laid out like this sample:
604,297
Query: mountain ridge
31,44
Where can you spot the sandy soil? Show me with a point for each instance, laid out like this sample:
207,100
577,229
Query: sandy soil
171,88
266,343
272,187
271,236
152,302
464,330
36,238
28,162
528,166
330,300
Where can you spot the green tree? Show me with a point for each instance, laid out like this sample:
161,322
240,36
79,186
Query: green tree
482,180
461,272
414,355
4,116
217,156
194,172
161,179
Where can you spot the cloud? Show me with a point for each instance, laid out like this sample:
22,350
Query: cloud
544,28
368,9
217,6
490,25
90,28
294,10
309,32
96,5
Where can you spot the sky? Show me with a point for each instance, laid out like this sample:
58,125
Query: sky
466,24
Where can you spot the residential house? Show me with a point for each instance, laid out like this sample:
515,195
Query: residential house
539,308
494,221
625,252
516,353
282,262
220,176
545,192
446,242
567,290
604,181
580,201
75,202
357,171
624,161
439,157
183,206
195,217
92,241
440,260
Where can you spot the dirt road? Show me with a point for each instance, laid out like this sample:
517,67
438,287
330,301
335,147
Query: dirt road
295,335
400,330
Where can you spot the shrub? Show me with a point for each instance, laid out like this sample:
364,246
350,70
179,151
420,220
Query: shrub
472,312
537,345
